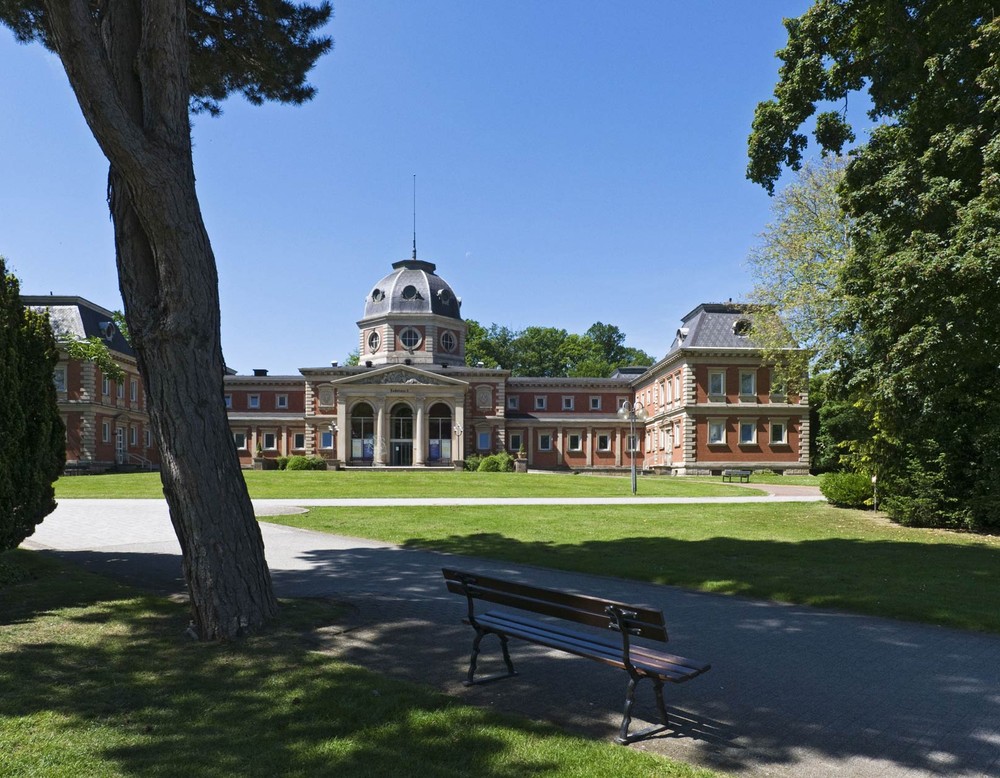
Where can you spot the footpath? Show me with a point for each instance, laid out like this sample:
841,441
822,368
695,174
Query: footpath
794,691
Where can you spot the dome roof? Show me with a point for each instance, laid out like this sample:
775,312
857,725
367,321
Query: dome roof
411,288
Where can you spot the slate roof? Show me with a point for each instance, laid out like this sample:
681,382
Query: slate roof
75,317
412,287
715,325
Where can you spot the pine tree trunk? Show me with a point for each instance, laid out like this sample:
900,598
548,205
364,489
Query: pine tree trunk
131,78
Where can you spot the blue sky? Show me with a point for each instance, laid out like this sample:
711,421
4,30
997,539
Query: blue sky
576,162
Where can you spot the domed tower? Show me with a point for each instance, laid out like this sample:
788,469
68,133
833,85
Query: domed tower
412,317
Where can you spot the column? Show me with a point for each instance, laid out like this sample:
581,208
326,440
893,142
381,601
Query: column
458,455
342,437
381,439
420,434
589,432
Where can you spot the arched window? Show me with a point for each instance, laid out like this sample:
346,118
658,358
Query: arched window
363,432
439,433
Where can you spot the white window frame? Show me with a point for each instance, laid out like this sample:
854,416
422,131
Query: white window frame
59,378
484,441
678,397
133,435
326,439
676,434
595,402
105,432
544,441
632,444
253,402
578,445
514,442
281,402
750,424
120,390
105,386
133,390
405,331
541,402
274,441
240,441
227,399
717,426
782,439
148,439
751,376
606,439
298,441
719,391
568,402
513,402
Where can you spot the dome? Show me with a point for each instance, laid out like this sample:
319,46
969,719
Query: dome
412,288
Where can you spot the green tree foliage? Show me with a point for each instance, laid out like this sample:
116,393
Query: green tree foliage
550,351
33,450
920,315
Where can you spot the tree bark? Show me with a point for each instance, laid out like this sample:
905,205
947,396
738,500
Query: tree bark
129,69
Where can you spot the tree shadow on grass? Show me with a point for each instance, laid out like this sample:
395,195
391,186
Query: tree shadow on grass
112,689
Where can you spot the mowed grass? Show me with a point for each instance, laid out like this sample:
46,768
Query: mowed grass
98,680
435,483
807,553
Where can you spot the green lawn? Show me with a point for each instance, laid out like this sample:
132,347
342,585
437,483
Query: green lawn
435,483
793,552
98,680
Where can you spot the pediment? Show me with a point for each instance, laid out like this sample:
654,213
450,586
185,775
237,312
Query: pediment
400,375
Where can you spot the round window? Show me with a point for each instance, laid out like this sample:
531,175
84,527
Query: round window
410,338
448,341
374,341
409,292
377,295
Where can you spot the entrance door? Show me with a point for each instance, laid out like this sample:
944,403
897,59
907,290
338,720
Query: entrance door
401,436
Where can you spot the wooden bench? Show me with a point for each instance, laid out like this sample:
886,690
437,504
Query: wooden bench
628,621
743,475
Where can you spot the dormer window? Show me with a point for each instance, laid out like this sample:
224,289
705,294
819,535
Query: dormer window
377,295
410,293
741,328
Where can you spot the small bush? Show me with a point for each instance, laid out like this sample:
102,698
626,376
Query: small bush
472,462
847,490
316,463
282,463
497,463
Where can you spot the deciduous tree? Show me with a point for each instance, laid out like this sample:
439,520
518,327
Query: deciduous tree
922,283
138,67
33,438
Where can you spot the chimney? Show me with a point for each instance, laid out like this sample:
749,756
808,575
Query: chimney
259,371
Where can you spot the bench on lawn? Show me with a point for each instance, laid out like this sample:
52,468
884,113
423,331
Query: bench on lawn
743,475
628,621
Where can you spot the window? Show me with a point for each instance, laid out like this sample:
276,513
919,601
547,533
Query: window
603,442
515,441
483,441
748,433
120,390
228,399
716,432
778,388
448,341
748,383
512,402
105,386
253,401
741,328
410,338
717,382
540,402
544,442
567,403
105,432
677,435
299,440
133,436
632,443
374,341
59,379
270,440
326,439
575,443
281,401
595,403
779,433
149,439
677,388
668,394
620,400
133,390
240,439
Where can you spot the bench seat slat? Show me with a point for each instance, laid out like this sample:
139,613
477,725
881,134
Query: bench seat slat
647,661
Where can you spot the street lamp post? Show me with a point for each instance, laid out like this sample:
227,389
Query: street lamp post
633,412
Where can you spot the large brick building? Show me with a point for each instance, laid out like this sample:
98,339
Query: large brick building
709,404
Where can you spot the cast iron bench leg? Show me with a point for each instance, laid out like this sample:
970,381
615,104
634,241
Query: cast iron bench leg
624,738
470,681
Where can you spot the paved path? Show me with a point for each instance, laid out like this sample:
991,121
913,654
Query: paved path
793,691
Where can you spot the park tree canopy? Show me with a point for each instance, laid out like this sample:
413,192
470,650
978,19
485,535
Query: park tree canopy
138,68
34,440
920,288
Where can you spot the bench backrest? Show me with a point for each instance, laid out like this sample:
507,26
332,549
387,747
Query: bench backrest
637,620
